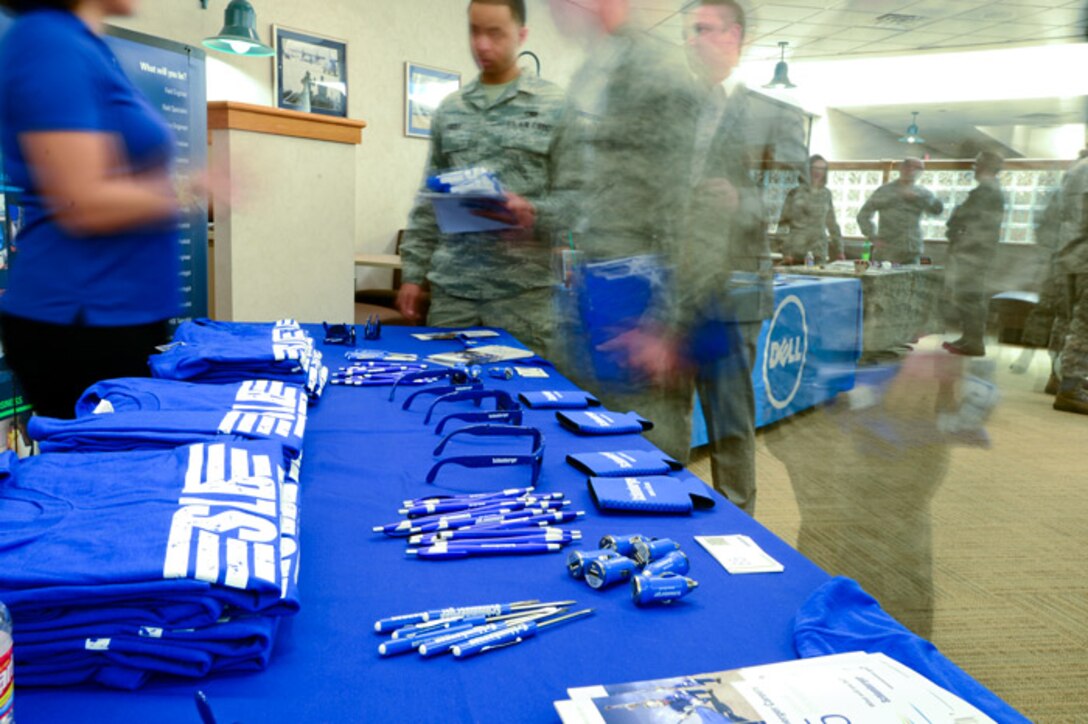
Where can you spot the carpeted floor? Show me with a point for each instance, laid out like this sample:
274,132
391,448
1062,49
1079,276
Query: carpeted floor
980,545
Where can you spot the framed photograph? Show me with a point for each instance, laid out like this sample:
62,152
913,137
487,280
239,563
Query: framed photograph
310,72
424,89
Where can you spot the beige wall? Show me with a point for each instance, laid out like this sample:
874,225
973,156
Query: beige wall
381,36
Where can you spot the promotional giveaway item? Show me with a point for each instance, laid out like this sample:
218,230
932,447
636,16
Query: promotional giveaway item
510,636
655,567
869,688
147,414
214,352
535,458
659,494
509,522
377,374
469,630
339,334
603,422
624,463
176,562
559,400
455,376
506,409
664,588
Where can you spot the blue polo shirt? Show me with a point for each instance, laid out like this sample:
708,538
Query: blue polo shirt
57,75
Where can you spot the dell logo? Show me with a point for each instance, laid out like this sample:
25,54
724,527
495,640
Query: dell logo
785,352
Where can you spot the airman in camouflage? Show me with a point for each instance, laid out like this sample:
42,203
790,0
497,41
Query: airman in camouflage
1072,259
900,203
510,123
808,219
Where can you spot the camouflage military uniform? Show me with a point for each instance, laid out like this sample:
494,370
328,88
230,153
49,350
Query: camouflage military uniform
1046,325
1072,260
635,106
808,220
473,276
974,231
898,237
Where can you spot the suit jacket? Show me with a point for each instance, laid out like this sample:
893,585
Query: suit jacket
730,249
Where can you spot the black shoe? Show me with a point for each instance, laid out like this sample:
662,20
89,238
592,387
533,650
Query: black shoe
1052,385
967,350
1073,401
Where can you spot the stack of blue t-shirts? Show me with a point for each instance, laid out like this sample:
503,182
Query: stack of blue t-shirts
122,566
142,414
222,352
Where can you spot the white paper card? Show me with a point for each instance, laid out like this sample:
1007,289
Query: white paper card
739,554
531,372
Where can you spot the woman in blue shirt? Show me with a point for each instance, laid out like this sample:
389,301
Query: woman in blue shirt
95,280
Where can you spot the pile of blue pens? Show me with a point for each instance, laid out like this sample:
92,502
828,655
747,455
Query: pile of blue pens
377,373
517,521
469,630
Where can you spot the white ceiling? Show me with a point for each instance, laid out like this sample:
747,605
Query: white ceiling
833,28
830,29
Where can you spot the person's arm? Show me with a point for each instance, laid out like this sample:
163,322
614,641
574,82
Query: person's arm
834,233
75,172
557,211
931,203
422,235
787,212
868,210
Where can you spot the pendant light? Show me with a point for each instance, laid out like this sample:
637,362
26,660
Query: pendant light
781,71
913,136
239,34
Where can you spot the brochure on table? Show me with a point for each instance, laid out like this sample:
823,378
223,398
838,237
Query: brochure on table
854,688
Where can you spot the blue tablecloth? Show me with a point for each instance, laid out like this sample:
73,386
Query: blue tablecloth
807,352
363,455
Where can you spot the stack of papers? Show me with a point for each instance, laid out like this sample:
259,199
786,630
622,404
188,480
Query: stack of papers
854,687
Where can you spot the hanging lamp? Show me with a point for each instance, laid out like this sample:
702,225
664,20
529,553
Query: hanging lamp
781,71
239,34
912,135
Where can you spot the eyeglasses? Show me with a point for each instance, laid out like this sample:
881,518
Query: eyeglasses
506,408
535,458
456,375
442,391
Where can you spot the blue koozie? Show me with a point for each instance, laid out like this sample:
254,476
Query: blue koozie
656,494
624,463
559,400
603,422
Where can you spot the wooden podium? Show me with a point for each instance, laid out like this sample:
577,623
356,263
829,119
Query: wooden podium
285,240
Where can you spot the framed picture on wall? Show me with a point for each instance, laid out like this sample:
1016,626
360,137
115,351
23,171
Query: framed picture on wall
424,89
310,73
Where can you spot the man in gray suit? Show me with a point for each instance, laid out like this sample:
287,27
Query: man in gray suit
726,288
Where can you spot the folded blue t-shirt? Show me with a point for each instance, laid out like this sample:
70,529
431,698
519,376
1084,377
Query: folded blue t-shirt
840,617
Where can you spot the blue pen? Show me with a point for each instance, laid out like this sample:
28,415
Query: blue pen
424,525
444,552
394,647
432,499
443,644
561,517
455,506
527,514
563,538
509,636
492,508
385,625
442,625
485,533
203,708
